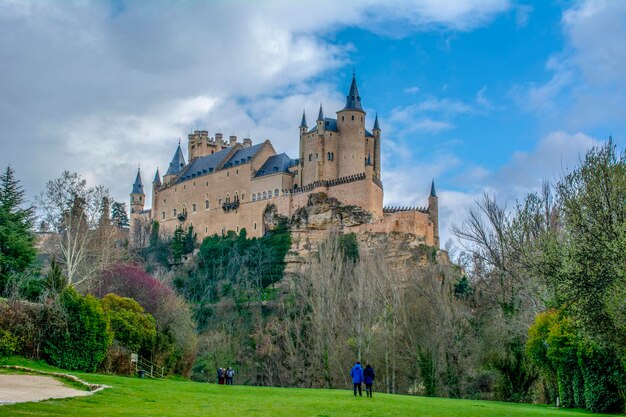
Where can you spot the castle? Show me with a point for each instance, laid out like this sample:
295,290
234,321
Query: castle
227,185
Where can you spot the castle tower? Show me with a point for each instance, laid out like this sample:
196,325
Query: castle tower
303,127
137,202
177,164
433,212
156,184
376,160
351,126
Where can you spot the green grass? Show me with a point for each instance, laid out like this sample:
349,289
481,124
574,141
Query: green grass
144,397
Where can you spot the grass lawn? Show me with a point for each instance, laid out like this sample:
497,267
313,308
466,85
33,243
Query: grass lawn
145,397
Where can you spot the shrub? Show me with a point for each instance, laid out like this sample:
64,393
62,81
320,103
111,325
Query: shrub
176,339
130,325
20,324
81,344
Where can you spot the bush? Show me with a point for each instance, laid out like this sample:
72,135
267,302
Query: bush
176,339
131,326
81,344
20,324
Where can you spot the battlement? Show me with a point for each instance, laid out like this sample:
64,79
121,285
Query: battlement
390,210
326,183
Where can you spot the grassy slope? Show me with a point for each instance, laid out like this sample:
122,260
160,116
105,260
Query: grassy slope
135,397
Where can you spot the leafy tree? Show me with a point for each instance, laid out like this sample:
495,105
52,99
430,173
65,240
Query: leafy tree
17,241
81,344
55,282
119,215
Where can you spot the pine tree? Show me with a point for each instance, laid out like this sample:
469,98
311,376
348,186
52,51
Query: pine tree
119,216
17,241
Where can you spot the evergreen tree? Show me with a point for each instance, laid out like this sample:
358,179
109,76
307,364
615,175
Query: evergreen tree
119,216
17,241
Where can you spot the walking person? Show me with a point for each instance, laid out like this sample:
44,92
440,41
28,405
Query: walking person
222,376
230,373
219,374
368,377
357,377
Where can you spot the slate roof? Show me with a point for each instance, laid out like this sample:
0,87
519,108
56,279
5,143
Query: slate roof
243,155
211,163
331,124
177,164
353,100
276,163
138,185
303,122
432,189
376,126
157,178
203,165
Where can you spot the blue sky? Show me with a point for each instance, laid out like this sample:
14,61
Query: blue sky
492,96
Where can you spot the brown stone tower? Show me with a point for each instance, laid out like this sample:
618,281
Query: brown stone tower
433,212
351,126
137,202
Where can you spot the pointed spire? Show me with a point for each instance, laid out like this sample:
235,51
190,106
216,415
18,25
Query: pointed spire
157,178
376,127
138,185
303,122
353,100
432,189
178,162
320,116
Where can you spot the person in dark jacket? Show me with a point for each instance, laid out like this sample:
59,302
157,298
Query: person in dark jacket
368,377
357,377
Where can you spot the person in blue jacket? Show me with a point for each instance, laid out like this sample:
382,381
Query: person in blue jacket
357,377
368,376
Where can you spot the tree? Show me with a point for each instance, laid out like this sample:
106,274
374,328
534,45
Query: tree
119,215
84,240
17,241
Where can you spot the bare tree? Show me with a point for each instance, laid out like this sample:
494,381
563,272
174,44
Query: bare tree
84,240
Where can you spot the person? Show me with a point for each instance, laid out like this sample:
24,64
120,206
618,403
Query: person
222,376
219,374
368,377
357,377
230,373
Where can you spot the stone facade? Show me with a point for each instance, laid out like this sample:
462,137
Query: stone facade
228,185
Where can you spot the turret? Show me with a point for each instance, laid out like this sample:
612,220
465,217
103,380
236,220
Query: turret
303,127
156,184
376,133
137,201
137,196
354,145
433,212
321,124
176,166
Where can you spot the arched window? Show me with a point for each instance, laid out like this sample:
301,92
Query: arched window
227,198
269,193
163,215
276,192
253,196
310,157
174,213
254,225
353,117
206,204
193,208
264,195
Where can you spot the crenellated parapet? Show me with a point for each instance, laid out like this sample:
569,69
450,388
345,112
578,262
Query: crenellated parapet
397,209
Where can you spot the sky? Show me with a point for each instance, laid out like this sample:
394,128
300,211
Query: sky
488,96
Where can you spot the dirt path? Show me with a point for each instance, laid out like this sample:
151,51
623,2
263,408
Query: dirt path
22,388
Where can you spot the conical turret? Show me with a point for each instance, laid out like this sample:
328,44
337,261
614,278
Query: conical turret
353,100
178,162
303,122
376,126
157,178
320,115
138,185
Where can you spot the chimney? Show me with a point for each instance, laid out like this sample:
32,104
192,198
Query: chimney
247,142
233,140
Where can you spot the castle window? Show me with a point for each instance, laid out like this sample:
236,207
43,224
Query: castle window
353,117
184,187
140,198
253,196
207,184
342,118
193,208
194,183
174,213
264,195
237,172
237,229
254,225
162,215
206,229
164,200
361,119
310,157
316,156
269,193
276,192
243,195
219,202
228,174
206,204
